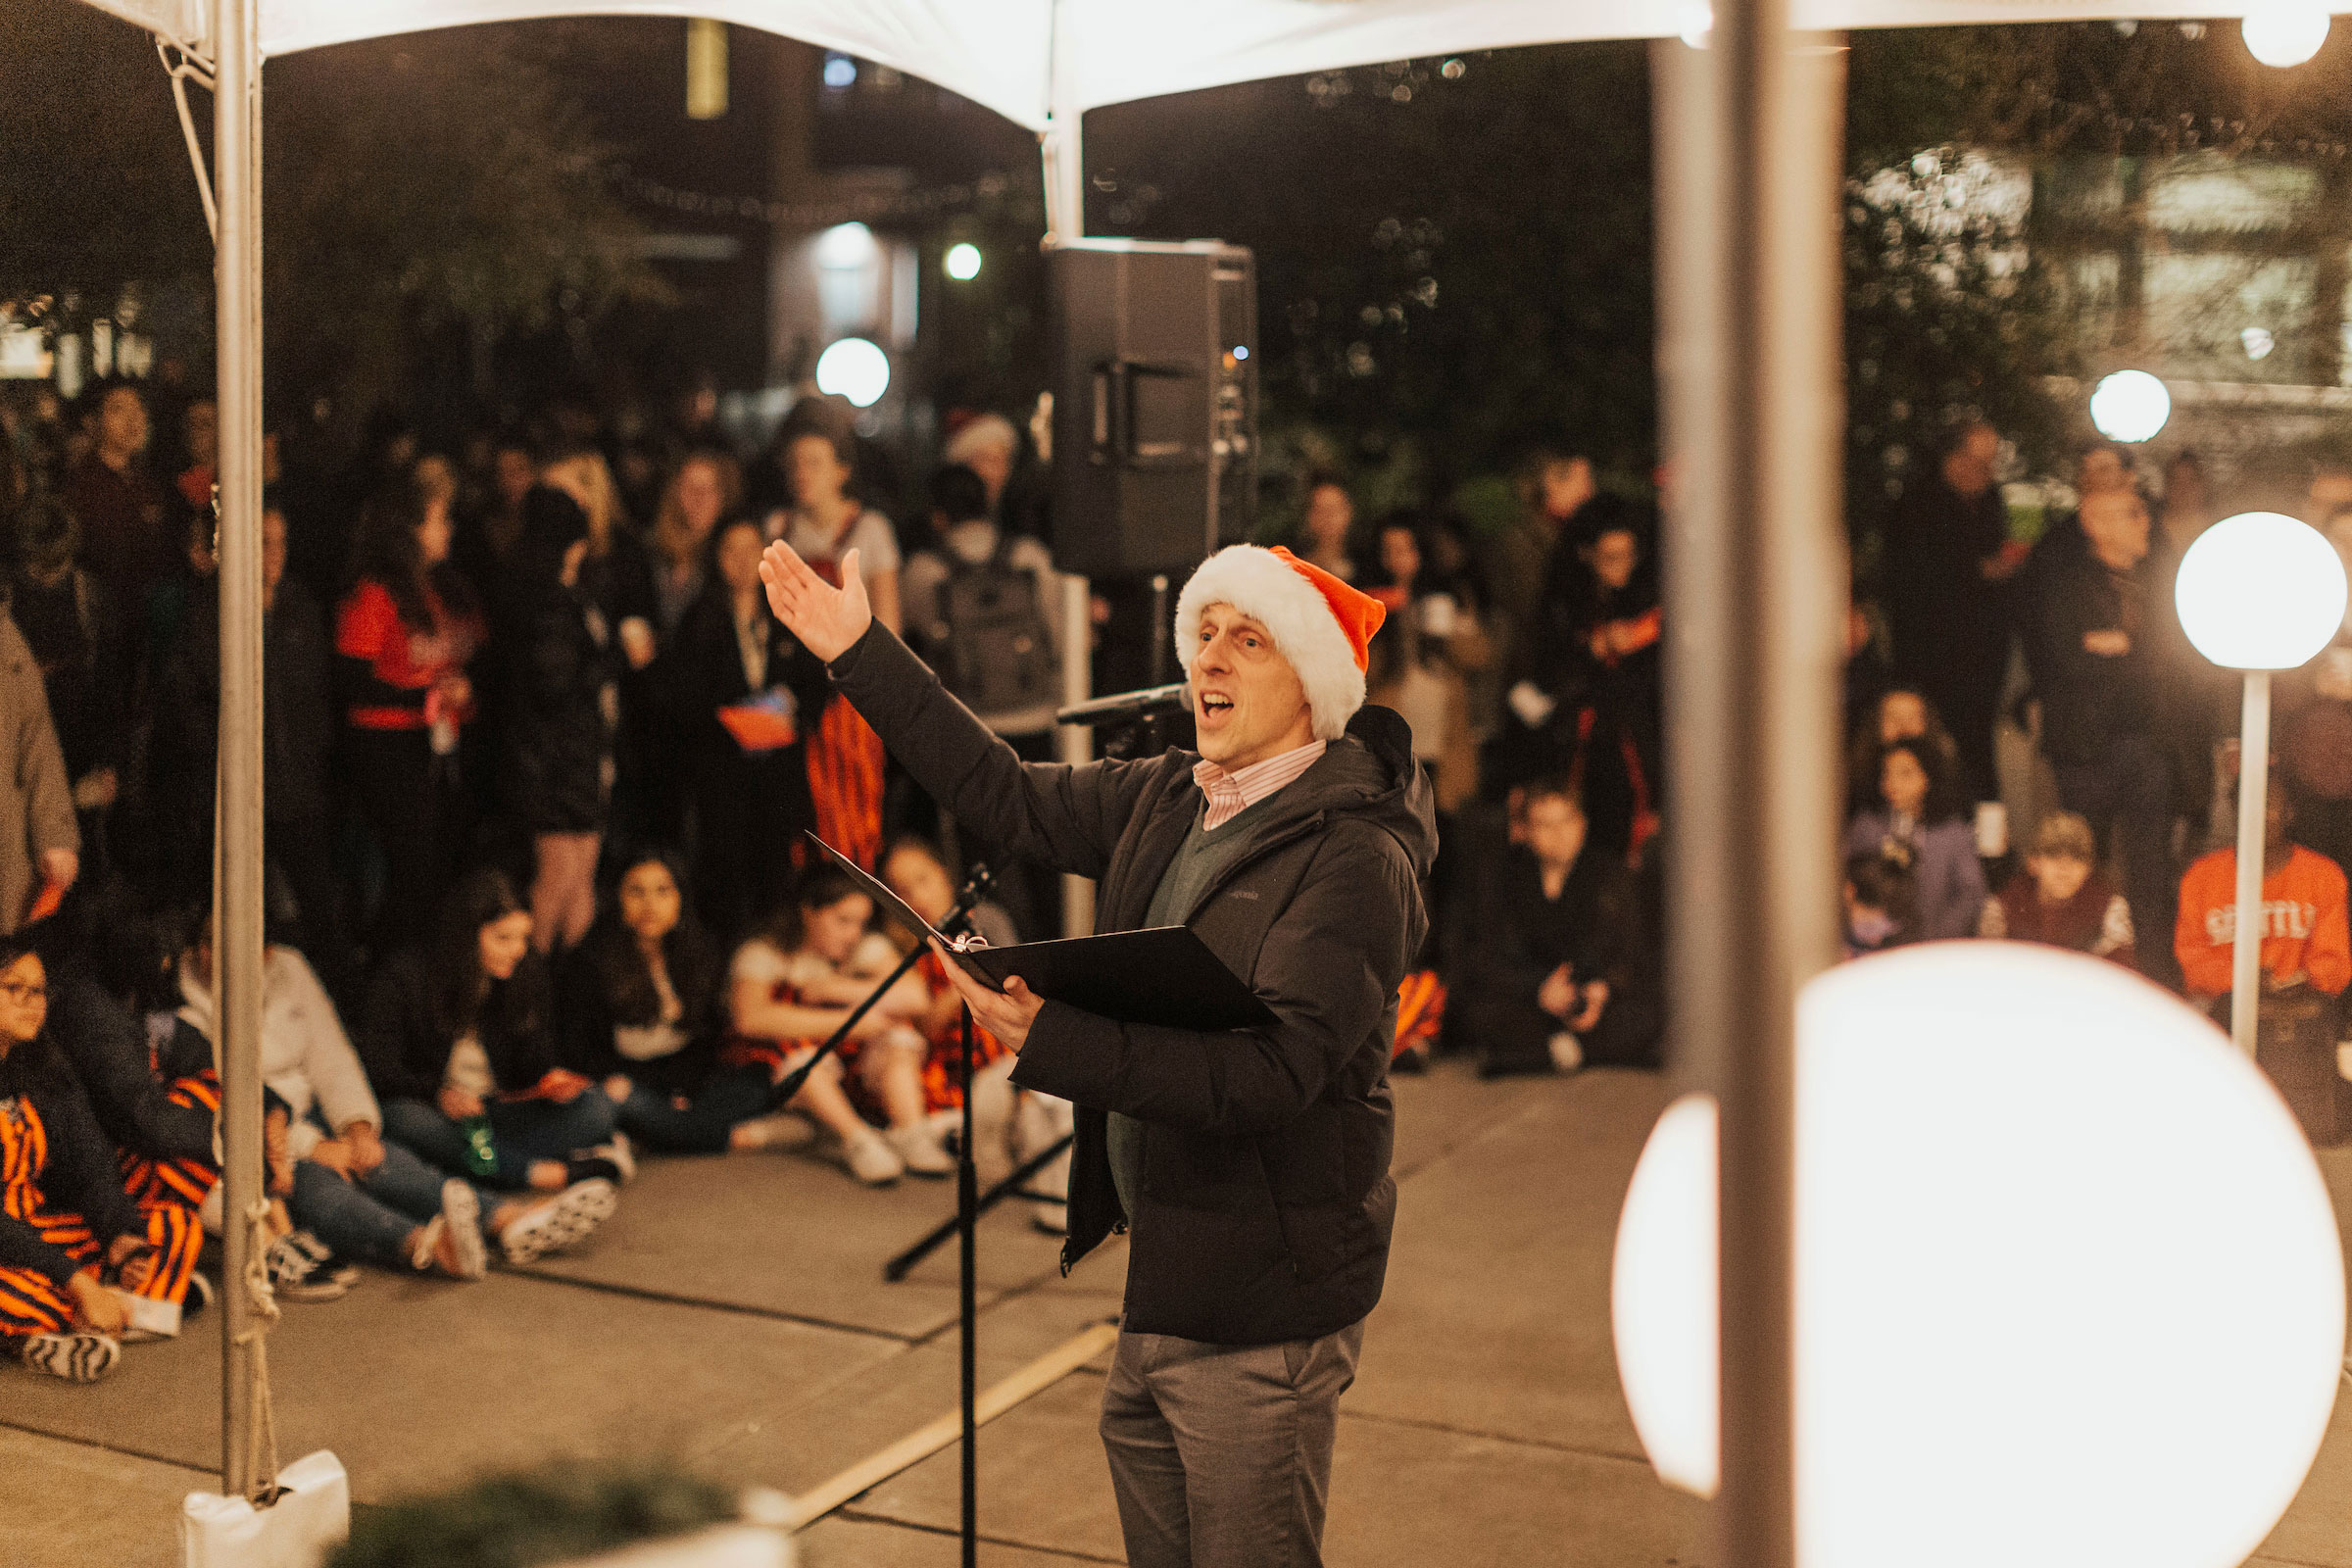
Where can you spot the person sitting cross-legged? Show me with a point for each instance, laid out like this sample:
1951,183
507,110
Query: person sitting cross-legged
70,1236
1559,978
791,986
459,1040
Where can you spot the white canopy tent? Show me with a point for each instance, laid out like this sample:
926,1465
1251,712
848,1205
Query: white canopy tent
1748,136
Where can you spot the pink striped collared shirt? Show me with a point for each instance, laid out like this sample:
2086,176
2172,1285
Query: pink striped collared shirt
1231,794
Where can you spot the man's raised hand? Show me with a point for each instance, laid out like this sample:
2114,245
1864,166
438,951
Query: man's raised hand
828,620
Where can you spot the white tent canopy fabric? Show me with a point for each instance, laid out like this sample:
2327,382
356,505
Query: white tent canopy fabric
1033,61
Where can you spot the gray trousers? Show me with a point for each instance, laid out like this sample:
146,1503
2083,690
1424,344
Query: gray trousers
1220,1454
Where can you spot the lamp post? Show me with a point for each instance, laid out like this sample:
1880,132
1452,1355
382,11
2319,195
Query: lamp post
2257,592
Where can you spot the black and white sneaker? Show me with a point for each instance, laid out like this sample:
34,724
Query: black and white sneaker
74,1358
296,1276
332,1263
564,1221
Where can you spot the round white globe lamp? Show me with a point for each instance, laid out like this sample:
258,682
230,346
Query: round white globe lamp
2257,592
962,260
854,369
2129,406
2284,33
2068,1282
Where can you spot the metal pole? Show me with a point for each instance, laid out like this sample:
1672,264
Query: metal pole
1747,169
968,1217
1076,742
237,165
2253,790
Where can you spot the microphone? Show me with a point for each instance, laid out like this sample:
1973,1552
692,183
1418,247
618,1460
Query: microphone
1121,707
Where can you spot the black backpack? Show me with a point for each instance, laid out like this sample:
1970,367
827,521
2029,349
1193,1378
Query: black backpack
998,657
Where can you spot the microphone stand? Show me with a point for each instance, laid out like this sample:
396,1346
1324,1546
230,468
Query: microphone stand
974,890
899,1268
967,1218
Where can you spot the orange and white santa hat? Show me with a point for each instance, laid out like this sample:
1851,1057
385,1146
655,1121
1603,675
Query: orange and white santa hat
1322,627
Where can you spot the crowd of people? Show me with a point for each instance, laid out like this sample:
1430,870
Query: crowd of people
541,768
537,785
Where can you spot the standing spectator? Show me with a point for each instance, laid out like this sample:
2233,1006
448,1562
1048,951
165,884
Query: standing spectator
706,489
1557,488
1917,822
192,486
40,844
77,639
1327,530
1422,669
298,734
556,767
1948,557
1900,715
2061,899
826,524
1561,975
404,635
2103,468
746,780
459,1040
2306,961
126,533
2092,623
989,446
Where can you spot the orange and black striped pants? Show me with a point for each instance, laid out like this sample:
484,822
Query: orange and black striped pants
845,782
31,1302
183,1182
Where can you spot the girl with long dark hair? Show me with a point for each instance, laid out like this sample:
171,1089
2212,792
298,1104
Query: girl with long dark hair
643,1013
404,633
1917,821
458,1040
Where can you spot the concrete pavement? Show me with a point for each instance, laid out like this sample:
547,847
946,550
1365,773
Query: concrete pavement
734,1316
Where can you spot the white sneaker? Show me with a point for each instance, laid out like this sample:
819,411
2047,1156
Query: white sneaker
461,1213
75,1357
872,1158
1567,1052
564,1221
427,1243
920,1151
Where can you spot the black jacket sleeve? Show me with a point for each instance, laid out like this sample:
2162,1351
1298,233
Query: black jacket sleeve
1327,968
82,1174
1059,815
108,1045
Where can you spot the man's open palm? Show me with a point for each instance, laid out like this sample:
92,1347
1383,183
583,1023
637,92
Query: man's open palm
828,620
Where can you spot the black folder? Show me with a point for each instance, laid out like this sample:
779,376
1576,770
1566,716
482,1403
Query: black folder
1163,975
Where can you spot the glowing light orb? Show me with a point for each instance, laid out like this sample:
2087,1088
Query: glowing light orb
962,260
856,370
2129,406
2259,590
2068,1282
2284,33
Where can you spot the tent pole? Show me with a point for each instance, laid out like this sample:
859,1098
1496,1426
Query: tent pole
1747,164
237,163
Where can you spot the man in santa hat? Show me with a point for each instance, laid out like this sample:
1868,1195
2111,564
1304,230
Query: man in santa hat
1251,1167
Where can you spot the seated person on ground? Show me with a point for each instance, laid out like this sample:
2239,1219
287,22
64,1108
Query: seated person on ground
2306,961
359,1196
791,984
1880,905
1561,973
1917,819
641,1005
916,873
459,1042
2061,898
69,1235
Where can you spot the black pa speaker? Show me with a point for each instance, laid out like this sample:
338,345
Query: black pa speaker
1155,403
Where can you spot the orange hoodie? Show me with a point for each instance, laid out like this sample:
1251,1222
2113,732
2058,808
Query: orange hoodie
2304,923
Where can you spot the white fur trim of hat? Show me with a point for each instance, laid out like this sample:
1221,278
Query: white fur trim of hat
1255,581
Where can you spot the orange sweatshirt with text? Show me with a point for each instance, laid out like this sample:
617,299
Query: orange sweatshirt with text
2304,923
